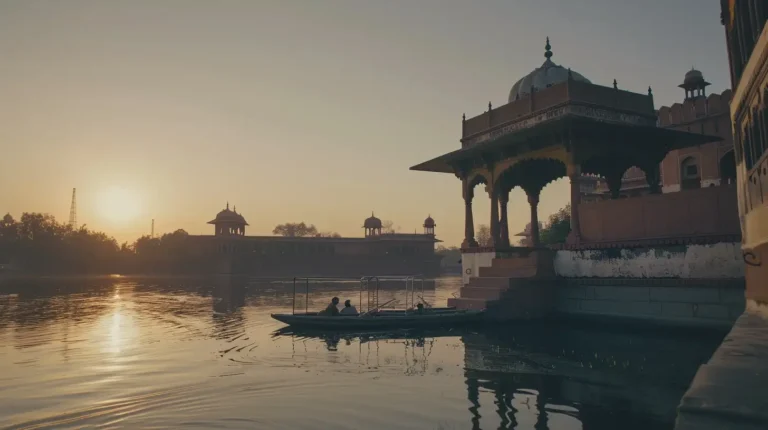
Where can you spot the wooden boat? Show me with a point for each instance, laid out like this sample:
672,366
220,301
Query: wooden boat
383,320
377,318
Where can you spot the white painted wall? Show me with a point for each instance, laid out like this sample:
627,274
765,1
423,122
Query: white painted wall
471,262
722,260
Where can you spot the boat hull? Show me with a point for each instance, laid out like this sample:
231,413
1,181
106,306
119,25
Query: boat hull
385,321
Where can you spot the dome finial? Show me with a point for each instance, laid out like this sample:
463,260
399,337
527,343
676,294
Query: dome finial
548,50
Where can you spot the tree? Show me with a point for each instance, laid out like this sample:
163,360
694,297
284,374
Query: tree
483,235
328,234
388,227
290,229
557,228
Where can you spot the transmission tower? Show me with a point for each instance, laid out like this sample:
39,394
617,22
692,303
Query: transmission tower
73,211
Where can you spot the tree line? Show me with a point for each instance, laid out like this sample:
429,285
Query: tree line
38,243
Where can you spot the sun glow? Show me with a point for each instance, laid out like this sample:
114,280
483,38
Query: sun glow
119,204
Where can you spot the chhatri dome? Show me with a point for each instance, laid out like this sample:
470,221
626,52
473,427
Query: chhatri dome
543,77
372,222
229,222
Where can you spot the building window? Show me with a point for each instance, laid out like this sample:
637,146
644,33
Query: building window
689,174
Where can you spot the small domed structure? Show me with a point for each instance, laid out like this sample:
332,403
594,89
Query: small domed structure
694,84
229,222
429,225
372,226
543,77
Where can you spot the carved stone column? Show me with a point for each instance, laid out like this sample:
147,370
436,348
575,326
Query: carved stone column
653,177
504,221
614,185
533,200
494,217
575,235
469,223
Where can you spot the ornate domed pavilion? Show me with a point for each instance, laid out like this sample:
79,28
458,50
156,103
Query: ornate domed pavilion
543,77
229,222
694,84
372,226
429,225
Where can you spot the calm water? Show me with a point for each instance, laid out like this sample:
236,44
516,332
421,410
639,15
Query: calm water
205,354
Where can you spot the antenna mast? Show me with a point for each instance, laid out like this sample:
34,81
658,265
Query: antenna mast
73,210
152,234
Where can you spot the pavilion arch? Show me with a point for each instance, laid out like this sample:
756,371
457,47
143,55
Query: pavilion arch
558,154
472,180
532,175
727,167
614,168
610,167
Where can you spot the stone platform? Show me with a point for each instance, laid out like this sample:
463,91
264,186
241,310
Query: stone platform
729,391
520,280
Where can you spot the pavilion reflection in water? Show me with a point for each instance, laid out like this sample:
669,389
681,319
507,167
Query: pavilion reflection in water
604,379
553,376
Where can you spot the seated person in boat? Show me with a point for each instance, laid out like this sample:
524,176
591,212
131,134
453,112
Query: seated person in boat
331,310
420,308
348,308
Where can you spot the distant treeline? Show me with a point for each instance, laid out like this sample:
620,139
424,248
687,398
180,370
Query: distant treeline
37,243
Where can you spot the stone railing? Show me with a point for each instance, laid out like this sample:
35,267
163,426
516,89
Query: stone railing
706,212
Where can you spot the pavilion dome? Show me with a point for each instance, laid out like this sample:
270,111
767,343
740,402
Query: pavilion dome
228,216
693,79
693,76
429,222
543,77
372,222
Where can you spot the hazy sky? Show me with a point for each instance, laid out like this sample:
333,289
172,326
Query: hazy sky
298,110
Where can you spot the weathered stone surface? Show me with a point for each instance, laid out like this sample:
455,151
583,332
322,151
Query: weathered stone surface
573,292
735,310
677,310
685,294
481,293
711,311
635,294
565,304
487,282
728,392
611,307
732,296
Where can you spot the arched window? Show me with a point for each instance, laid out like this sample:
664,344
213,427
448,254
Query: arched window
728,168
690,177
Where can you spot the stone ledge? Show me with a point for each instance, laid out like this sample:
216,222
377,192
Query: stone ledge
728,391
645,243
737,283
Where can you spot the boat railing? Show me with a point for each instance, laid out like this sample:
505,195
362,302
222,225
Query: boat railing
306,281
369,284
366,282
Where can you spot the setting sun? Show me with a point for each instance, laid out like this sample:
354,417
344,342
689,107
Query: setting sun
119,204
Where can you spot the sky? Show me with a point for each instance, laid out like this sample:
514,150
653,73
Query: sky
298,110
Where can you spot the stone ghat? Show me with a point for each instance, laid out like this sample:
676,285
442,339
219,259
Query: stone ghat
524,284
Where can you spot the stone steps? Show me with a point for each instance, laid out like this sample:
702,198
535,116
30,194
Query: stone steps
489,282
482,293
467,303
513,287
